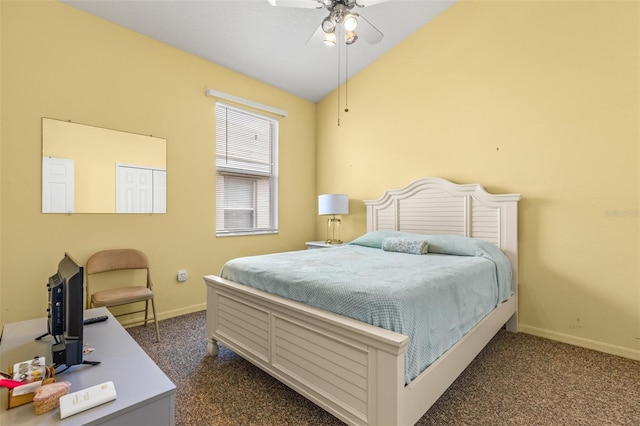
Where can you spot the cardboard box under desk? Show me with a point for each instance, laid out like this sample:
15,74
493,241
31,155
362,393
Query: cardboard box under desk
16,401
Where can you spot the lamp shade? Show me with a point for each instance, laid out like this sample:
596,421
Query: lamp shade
333,204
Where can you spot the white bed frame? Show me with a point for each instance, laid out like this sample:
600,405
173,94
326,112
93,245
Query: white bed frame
354,370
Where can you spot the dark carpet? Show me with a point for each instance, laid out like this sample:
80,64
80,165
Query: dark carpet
518,379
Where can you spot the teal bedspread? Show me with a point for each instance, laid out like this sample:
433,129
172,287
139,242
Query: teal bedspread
435,299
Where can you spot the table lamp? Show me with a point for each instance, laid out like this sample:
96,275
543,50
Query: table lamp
333,204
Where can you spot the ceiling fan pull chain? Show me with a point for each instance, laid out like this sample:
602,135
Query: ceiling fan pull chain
346,79
338,84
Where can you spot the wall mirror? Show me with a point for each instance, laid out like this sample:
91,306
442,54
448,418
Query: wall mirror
88,169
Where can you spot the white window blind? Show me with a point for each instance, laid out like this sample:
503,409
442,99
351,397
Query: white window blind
246,172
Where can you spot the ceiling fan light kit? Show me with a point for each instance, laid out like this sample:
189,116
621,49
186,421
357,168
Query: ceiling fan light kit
340,13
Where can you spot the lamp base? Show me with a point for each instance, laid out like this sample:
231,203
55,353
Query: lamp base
333,231
333,241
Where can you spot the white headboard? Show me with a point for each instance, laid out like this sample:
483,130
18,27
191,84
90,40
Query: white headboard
436,206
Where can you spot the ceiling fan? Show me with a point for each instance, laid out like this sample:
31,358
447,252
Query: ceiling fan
341,16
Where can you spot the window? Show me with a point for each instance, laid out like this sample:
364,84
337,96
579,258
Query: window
246,172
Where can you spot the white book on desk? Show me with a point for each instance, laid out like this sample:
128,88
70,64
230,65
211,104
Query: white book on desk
85,399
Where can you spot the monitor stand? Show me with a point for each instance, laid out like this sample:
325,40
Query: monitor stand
54,352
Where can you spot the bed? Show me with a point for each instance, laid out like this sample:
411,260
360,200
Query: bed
361,373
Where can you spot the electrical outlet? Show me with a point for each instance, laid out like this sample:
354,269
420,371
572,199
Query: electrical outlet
182,275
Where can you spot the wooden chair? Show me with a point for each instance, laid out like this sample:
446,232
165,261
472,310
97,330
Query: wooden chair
120,259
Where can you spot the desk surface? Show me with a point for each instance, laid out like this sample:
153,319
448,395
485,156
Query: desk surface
137,379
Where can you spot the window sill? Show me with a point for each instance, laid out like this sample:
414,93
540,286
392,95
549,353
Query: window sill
246,233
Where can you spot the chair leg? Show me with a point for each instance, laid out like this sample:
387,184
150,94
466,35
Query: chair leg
146,312
155,319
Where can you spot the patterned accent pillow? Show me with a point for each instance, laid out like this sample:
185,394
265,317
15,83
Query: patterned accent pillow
405,245
374,239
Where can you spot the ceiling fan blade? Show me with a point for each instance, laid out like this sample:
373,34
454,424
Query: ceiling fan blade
368,31
305,4
365,3
317,37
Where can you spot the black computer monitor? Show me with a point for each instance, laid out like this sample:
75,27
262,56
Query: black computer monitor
66,309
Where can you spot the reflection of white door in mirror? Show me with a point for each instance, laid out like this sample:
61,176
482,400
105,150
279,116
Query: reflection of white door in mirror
57,185
140,189
159,191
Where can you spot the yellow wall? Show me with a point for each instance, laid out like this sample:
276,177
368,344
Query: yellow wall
1,161
60,62
537,98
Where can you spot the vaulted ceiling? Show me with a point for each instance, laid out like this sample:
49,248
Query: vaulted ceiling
270,44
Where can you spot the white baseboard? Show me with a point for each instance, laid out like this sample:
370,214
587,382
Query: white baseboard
128,321
182,311
584,343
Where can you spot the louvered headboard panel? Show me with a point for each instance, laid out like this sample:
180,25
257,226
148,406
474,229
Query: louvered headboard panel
437,206
431,211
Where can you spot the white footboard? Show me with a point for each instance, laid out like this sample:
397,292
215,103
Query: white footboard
351,369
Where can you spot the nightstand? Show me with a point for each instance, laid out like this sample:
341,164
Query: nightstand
321,244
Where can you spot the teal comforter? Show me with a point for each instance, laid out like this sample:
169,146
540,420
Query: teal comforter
435,299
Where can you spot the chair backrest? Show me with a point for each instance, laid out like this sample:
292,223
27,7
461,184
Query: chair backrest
115,260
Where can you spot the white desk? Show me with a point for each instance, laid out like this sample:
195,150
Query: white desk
146,396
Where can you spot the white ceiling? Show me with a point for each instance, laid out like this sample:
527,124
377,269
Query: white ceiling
262,41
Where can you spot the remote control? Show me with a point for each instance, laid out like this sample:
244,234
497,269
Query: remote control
95,319
76,402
